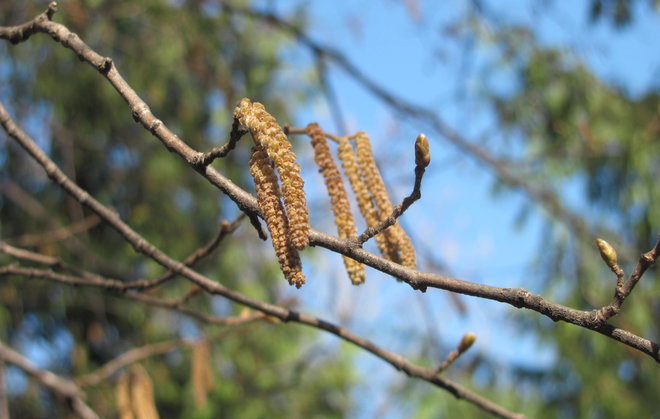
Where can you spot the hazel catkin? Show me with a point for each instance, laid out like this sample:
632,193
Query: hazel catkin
266,132
270,205
350,165
400,246
341,207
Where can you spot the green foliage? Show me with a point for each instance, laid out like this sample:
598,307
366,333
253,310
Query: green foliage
579,130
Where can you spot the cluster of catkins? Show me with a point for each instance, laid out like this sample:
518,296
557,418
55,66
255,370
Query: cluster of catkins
284,208
288,223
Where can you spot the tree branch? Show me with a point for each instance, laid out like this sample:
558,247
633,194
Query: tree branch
53,382
52,236
127,358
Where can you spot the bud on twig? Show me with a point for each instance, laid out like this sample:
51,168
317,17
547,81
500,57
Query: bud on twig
422,151
466,342
607,252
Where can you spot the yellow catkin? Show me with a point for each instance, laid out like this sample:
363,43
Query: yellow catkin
350,165
270,204
266,132
338,198
399,242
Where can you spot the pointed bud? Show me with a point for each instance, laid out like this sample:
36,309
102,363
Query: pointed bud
422,151
607,252
466,342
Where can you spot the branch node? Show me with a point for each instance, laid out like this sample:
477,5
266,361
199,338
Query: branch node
155,125
105,65
139,111
52,9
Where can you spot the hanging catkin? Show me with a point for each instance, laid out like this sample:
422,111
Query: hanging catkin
338,198
266,132
270,205
402,249
350,165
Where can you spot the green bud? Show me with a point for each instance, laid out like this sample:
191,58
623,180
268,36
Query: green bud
607,252
422,151
466,342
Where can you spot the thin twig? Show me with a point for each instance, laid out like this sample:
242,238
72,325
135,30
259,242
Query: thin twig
623,290
115,286
137,354
237,131
201,253
127,358
59,234
53,382
397,211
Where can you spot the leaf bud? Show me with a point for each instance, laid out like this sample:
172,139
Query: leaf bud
607,252
466,342
422,151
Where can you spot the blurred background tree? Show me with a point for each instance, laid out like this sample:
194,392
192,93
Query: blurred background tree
554,122
192,63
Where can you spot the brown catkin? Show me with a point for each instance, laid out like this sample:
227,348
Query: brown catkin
142,393
123,398
399,243
267,133
201,373
270,204
338,198
350,165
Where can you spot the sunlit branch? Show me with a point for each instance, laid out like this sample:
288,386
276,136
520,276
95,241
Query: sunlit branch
397,211
623,289
237,131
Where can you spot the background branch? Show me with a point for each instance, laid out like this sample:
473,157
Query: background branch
53,382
